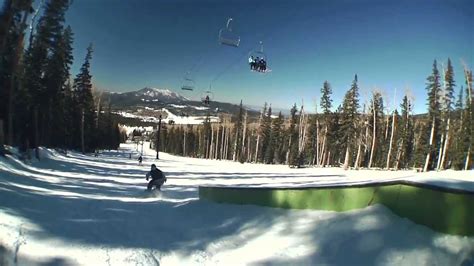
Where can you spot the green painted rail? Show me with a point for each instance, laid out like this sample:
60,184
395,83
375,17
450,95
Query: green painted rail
444,210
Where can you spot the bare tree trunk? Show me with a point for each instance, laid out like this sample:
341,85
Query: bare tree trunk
302,131
221,148
440,151
244,133
317,144
211,146
366,139
200,141
235,152
346,158
466,164
184,141
249,150
98,111
216,149
288,151
226,148
374,136
222,141
392,133
425,168
256,147
323,148
446,145
357,161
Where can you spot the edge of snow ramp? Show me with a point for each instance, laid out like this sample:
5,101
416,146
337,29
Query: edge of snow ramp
446,210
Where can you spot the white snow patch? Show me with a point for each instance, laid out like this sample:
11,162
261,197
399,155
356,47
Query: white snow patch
177,106
200,107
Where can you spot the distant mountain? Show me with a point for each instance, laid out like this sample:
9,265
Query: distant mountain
143,96
164,98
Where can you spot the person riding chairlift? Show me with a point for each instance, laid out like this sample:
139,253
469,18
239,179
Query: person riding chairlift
252,63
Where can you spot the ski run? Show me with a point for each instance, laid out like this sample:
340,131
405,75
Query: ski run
79,209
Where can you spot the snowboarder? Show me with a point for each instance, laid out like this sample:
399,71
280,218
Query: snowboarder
157,178
140,159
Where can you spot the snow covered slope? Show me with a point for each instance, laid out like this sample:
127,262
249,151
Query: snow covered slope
82,210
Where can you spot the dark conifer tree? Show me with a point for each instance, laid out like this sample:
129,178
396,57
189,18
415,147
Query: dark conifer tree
83,91
39,70
433,125
349,120
293,154
448,108
259,153
267,148
13,22
238,134
406,139
57,75
277,140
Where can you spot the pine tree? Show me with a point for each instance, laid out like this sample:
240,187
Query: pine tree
375,123
277,140
292,155
38,70
206,137
434,108
350,120
405,142
458,156
313,149
449,85
267,148
57,75
326,105
336,143
83,91
238,133
260,132
13,23
468,127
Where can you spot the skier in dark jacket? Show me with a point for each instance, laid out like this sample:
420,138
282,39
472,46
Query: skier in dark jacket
157,178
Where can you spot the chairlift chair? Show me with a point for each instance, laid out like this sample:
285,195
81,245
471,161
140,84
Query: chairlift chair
228,37
207,97
188,84
261,55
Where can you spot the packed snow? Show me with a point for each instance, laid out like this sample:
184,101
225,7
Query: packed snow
85,210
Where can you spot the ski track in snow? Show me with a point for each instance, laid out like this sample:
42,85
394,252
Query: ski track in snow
82,210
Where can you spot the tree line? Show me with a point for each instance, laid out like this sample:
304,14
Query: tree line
40,103
354,135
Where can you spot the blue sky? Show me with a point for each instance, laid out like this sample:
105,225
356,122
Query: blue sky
389,44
